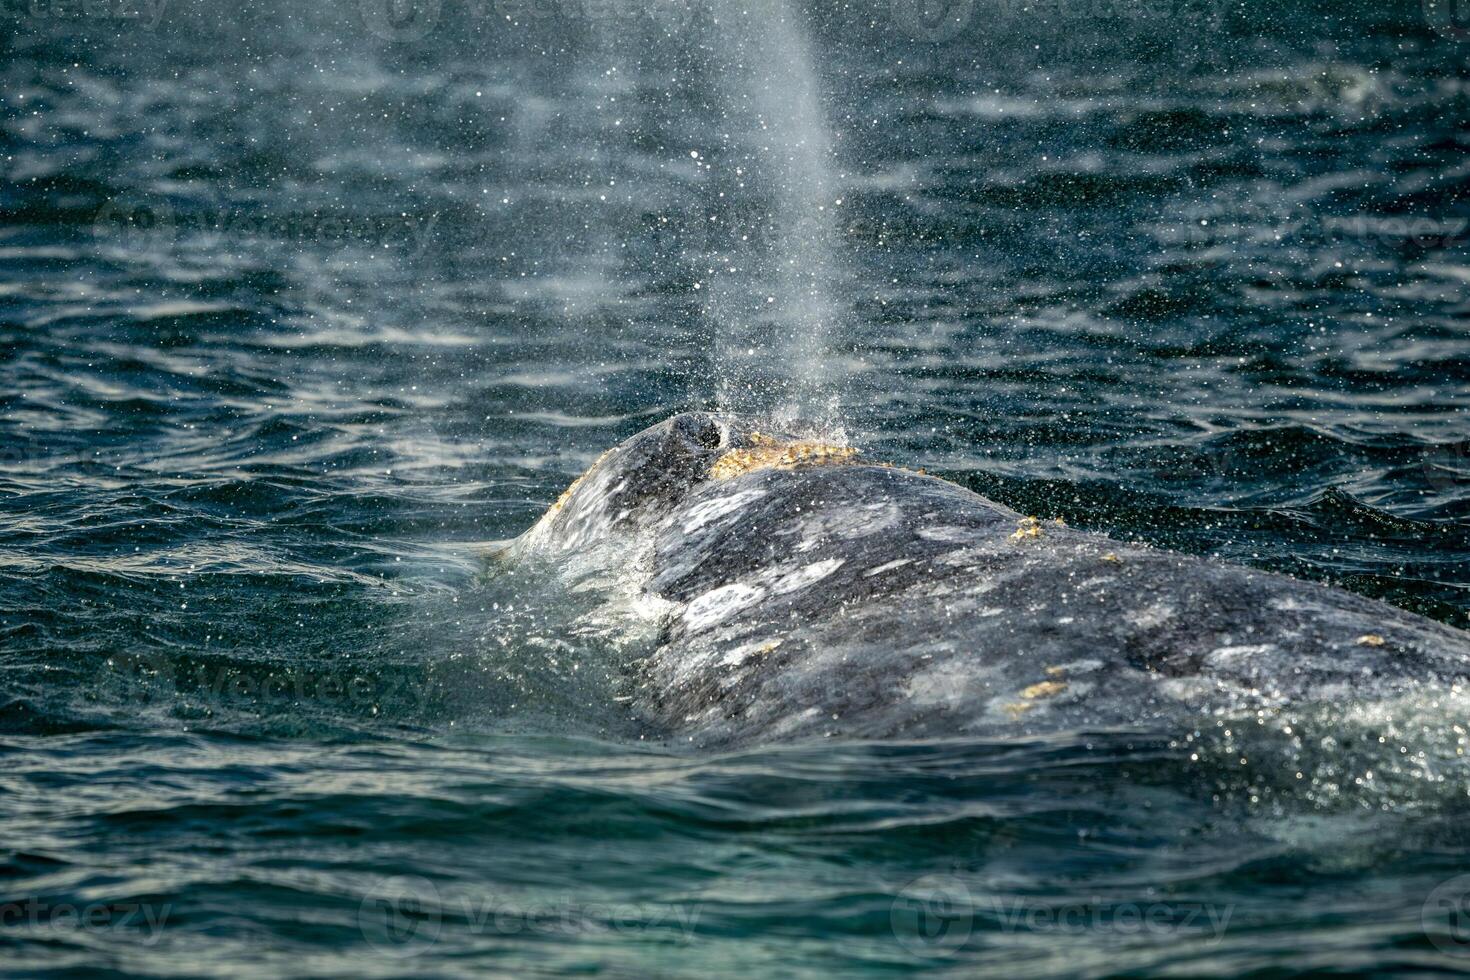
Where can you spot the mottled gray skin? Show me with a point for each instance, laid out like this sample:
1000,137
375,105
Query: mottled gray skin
865,601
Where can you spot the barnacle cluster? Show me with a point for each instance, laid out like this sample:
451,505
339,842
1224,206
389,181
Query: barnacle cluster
1045,689
1028,527
1037,692
766,452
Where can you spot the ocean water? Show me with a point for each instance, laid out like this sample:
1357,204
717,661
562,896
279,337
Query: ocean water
303,308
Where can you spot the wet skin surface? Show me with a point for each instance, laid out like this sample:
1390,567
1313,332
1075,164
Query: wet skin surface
860,600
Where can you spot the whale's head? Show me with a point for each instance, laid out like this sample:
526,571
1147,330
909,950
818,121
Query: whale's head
639,481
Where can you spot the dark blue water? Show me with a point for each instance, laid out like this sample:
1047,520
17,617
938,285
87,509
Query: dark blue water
303,309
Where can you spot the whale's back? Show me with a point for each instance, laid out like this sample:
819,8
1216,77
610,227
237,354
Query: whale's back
821,595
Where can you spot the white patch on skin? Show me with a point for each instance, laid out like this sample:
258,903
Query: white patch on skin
701,514
1076,691
947,534
990,611
847,523
597,487
745,651
1199,692
1094,582
965,556
649,607
1225,656
867,519
792,723
946,684
720,604
1150,616
803,577
1079,666
887,567
1190,690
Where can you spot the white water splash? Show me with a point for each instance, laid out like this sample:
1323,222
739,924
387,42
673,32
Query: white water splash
773,92
754,208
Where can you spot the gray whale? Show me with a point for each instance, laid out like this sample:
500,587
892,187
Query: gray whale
802,592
